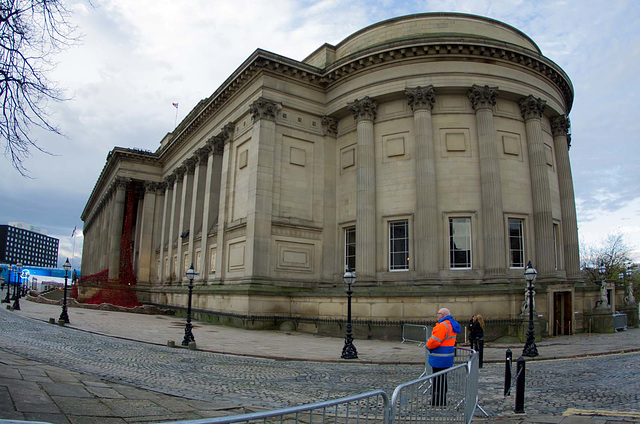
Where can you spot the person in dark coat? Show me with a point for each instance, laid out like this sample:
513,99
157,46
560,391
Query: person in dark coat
476,330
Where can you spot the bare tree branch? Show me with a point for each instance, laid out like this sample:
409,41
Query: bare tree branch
31,32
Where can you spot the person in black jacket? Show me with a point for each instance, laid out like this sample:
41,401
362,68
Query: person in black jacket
476,330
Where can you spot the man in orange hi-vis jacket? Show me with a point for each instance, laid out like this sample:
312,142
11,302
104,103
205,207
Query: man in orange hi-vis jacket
441,347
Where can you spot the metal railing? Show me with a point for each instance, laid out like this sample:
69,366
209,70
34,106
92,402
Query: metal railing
365,408
415,333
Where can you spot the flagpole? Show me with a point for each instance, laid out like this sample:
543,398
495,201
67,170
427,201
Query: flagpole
73,256
175,121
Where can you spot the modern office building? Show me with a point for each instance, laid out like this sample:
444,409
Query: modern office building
429,152
18,244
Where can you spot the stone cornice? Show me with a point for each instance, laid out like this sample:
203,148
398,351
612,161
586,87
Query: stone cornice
467,48
532,108
115,156
421,97
482,97
365,109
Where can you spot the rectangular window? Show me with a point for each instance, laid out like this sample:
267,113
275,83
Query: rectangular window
555,246
516,243
460,243
399,245
350,248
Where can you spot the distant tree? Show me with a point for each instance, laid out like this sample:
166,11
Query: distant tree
613,252
31,32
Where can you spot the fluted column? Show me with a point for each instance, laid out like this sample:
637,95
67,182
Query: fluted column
146,231
560,128
259,209
426,255
532,109
330,246
364,112
117,218
163,276
174,223
225,163
197,207
185,218
483,99
156,240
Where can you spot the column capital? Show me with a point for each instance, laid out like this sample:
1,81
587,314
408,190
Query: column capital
121,183
227,132
532,108
421,97
363,110
263,109
329,126
482,97
189,165
149,186
201,155
560,125
161,187
169,180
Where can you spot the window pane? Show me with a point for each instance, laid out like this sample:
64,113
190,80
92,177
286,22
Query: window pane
516,243
399,245
460,242
350,248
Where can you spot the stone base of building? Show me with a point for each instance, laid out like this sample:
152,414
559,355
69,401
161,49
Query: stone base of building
599,321
632,315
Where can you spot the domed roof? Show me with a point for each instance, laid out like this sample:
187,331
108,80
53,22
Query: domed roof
453,26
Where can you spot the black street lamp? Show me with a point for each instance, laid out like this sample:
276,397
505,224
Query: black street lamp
16,294
188,334
530,348
349,350
64,316
7,298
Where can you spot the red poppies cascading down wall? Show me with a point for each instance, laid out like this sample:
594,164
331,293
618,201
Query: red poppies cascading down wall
123,293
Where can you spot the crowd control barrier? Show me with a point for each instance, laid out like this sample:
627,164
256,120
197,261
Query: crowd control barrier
455,391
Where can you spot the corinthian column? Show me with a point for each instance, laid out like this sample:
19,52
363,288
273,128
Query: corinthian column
532,109
163,275
560,128
483,99
117,217
421,100
329,245
259,209
224,187
364,112
146,232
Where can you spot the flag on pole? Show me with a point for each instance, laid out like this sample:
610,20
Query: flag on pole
74,231
175,105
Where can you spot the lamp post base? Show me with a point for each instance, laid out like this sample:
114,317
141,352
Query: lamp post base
349,350
188,335
64,316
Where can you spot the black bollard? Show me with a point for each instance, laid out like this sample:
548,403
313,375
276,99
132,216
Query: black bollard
480,344
507,372
520,378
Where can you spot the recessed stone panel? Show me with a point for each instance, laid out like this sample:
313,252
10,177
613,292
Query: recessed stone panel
455,142
348,157
243,158
394,146
236,256
548,152
293,256
511,145
297,156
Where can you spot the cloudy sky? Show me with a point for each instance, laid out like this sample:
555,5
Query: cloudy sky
138,57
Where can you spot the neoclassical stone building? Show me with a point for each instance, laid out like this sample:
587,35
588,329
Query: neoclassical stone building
428,152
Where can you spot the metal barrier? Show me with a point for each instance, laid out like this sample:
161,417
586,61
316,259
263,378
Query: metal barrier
365,408
448,396
418,334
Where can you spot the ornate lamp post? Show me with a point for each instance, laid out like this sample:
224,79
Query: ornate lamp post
7,298
530,348
16,292
349,350
188,334
64,316
603,303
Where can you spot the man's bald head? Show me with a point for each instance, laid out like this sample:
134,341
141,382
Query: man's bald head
444,312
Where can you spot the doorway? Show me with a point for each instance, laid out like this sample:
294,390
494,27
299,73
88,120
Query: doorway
562,314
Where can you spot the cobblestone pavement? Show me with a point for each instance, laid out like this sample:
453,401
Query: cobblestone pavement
226,381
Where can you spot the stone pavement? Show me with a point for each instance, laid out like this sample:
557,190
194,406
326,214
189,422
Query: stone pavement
34,390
